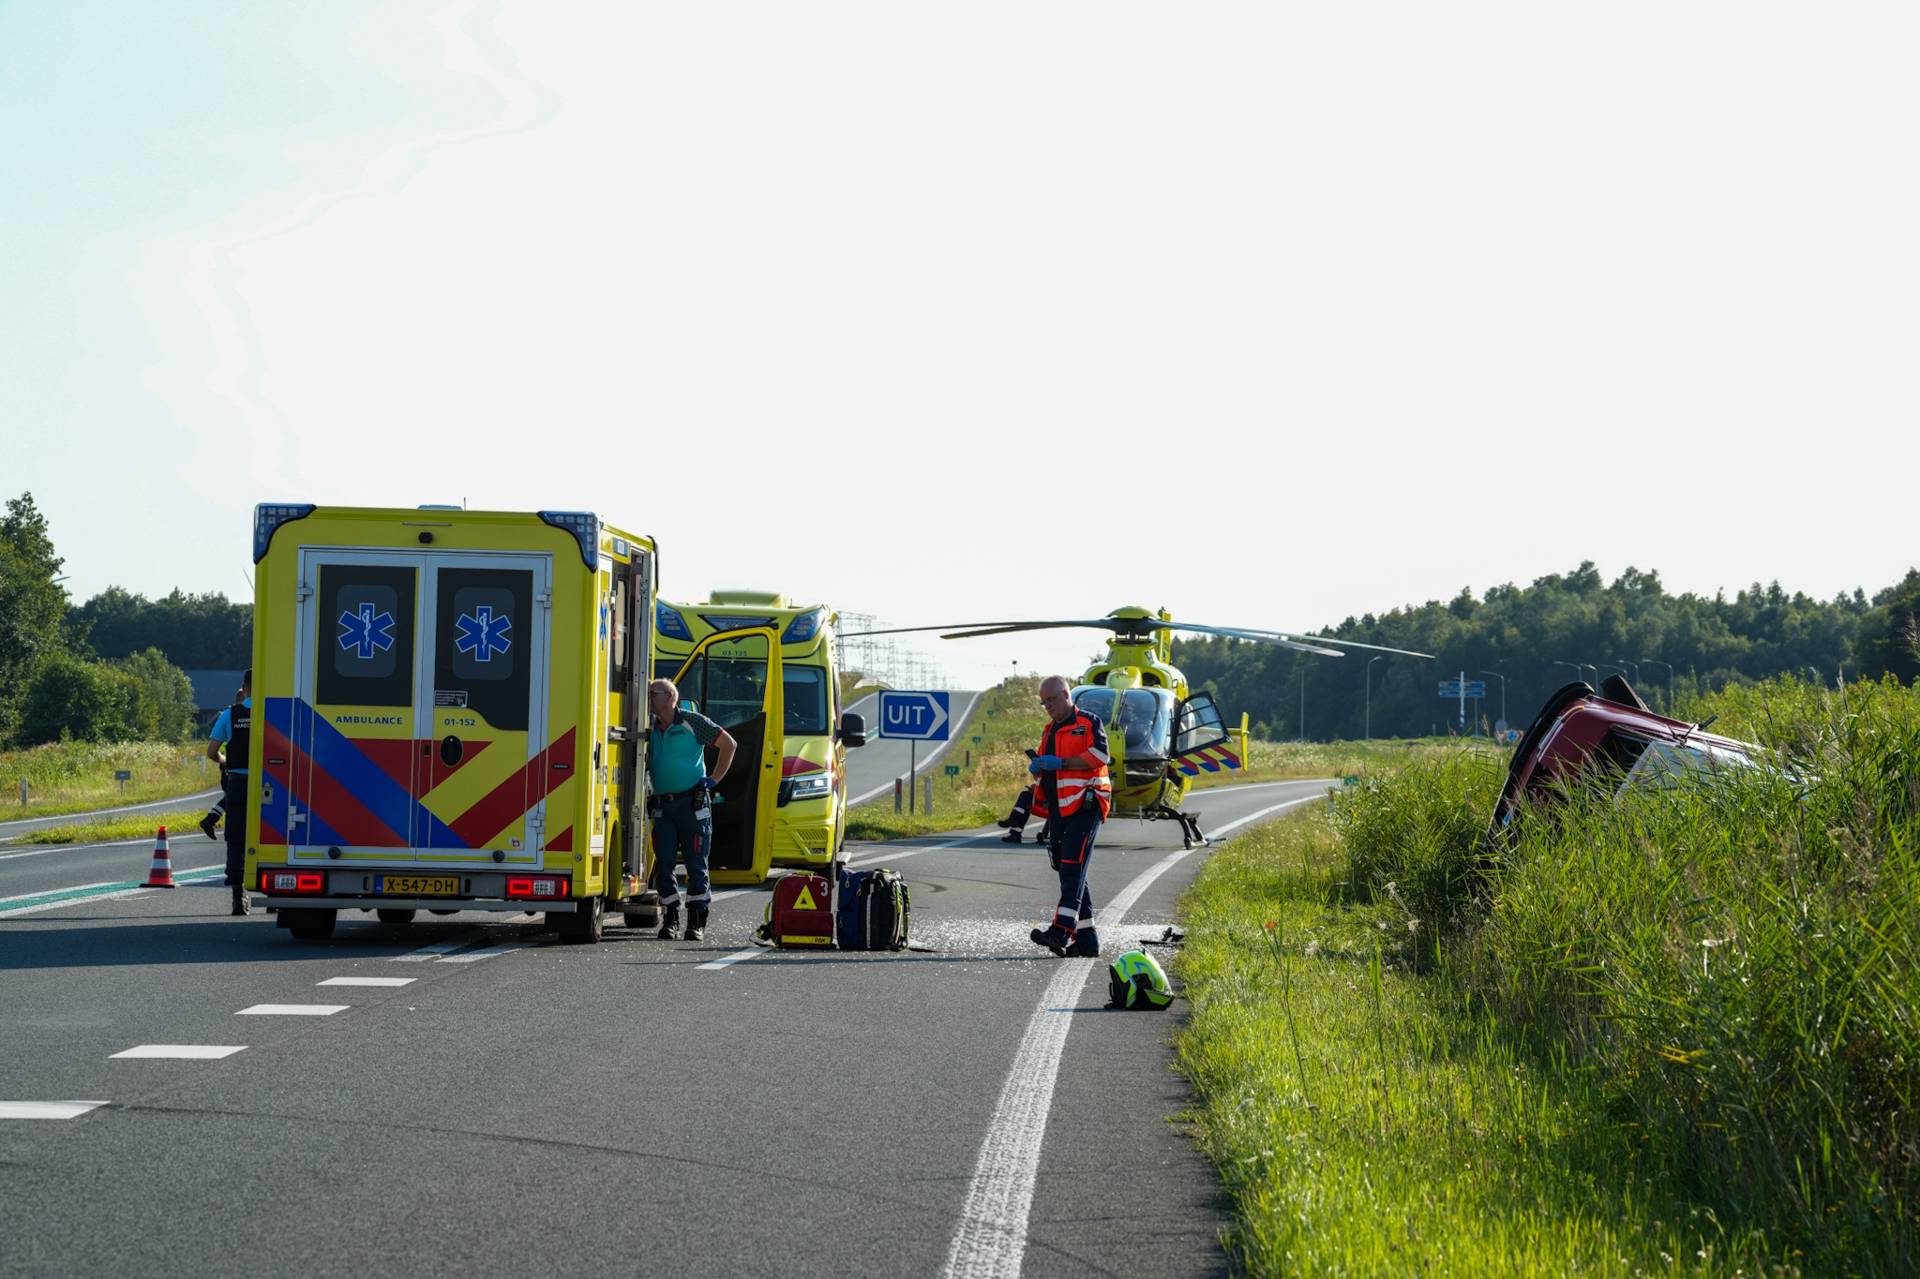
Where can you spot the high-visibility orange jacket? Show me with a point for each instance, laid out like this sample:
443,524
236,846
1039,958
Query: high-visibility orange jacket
1060,793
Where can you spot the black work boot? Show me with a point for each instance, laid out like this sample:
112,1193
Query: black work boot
696,921
242,901
1053,937
1086,945
208,823
1011,837
670,923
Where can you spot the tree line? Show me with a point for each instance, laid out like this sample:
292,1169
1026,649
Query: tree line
1538,637
112,669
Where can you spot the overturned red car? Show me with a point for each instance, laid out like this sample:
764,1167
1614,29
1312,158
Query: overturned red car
1610,738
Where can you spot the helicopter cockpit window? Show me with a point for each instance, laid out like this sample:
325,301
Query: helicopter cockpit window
1146,716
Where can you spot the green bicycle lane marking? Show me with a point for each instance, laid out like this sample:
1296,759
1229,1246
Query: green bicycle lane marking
30,903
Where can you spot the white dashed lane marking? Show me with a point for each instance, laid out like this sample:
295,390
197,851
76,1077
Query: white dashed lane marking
475,955
47,1109
367,981
436,950
292,1010
182,1052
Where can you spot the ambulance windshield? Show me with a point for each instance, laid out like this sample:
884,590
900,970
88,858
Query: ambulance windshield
804,694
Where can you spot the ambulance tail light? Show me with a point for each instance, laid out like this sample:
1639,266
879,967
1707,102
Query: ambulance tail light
269,516
804,627
292,881
585,527
538,887
669,623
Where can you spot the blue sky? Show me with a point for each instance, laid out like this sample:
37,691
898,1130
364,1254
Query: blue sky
1270,314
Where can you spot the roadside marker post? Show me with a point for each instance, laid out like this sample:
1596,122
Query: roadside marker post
926,789
123,776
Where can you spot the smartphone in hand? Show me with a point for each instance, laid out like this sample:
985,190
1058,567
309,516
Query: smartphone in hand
1033,754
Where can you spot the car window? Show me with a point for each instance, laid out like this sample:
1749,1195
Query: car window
1664,765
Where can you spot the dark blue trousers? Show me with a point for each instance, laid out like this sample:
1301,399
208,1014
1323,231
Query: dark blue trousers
1071,851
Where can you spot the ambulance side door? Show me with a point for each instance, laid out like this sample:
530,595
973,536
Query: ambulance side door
735,678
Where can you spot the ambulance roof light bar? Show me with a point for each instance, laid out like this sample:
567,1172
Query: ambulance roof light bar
585,527
269,516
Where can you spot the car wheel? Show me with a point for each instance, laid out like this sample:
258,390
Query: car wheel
584,927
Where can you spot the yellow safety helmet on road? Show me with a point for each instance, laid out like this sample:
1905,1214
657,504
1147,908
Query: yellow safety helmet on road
1136,980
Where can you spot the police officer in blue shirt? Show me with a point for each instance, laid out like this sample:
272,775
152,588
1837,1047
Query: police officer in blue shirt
234,731
682,802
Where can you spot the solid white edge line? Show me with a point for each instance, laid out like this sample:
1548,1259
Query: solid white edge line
47,1109
180,1052
56,819
920,766
367,981
991,1240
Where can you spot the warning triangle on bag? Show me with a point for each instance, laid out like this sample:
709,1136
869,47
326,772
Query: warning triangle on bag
805,900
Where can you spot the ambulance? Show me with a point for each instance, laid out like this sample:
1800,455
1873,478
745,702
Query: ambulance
450,715
726,655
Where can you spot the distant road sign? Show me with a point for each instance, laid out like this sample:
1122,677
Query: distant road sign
914,716
1453,687
953,770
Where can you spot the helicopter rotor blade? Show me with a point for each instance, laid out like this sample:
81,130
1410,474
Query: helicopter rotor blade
1378,648
962,630
1344,643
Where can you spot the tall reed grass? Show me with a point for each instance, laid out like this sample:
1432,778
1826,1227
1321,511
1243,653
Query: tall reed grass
1735,961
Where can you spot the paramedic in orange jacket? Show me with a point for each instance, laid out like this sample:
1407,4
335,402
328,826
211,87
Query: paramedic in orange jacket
1073,791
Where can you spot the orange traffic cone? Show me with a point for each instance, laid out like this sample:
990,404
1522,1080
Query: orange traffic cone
161,874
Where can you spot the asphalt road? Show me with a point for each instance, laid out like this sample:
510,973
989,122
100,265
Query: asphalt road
638,1106
872,768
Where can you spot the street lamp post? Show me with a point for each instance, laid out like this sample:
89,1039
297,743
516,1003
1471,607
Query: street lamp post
1577,667
1370,661
1636,670
1654,661
1303,701
1503,693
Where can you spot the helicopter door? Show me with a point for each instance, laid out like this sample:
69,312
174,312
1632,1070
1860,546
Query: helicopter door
1201,743
734,679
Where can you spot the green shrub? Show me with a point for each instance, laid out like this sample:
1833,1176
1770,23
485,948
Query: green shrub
73,699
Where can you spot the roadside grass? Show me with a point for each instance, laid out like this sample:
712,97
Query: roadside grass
1008,720
74,777
1370,1120
1681,1025
179,822
1292,761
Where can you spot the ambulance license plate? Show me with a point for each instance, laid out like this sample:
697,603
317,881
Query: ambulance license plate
418,885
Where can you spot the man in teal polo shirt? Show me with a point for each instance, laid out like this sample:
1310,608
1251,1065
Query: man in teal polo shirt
682,802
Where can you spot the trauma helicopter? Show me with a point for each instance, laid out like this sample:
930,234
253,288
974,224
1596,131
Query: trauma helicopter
1161,734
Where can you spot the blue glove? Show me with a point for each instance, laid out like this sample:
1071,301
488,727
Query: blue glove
711,783
1043,764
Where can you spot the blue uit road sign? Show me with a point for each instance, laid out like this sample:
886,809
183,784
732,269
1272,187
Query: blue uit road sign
914,716
1474,688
